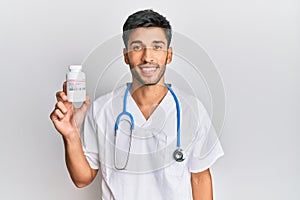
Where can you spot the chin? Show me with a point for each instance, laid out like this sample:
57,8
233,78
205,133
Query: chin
149,81
150,84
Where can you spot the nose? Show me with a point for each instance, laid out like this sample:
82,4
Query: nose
148,55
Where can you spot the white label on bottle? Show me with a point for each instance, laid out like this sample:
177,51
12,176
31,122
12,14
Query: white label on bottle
76,85
76,90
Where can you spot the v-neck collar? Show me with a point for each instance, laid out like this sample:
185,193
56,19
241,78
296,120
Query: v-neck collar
140,120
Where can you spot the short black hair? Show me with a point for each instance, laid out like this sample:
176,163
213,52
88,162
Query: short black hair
146,18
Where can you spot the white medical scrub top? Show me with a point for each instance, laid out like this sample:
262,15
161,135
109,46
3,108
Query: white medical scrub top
151,172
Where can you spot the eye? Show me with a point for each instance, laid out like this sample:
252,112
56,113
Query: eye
137,47
157,47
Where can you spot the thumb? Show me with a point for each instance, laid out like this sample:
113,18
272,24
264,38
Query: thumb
65,87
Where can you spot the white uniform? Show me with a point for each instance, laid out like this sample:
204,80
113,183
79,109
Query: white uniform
151,171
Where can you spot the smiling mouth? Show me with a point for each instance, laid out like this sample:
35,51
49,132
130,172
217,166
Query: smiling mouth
148,69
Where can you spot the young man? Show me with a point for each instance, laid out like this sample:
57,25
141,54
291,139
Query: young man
148,169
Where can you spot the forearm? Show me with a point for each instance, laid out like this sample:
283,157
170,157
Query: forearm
80,171
202,186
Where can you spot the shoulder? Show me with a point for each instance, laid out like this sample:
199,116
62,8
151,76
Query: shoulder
194,114
189,101
104,101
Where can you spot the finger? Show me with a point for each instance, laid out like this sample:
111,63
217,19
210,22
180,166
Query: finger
65,87
61,96
53,116
61,106
58,114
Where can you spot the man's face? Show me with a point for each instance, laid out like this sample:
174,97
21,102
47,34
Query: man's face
147,54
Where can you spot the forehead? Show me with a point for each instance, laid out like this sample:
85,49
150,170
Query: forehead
147,35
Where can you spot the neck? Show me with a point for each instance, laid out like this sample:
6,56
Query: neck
148,95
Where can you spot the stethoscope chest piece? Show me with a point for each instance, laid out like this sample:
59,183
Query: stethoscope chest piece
178,155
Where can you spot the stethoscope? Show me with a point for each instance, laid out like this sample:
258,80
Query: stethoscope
178,154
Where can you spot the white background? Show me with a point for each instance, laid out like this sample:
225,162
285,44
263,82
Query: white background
254,44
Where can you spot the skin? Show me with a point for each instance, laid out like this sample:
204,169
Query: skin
147,48
202,185
67,121
147,56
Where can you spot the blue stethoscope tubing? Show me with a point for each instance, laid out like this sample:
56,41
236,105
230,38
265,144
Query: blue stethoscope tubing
178,114
124,111
178,153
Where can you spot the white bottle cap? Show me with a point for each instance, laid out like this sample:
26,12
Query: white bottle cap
75,67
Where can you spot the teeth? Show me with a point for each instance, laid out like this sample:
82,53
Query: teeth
148,69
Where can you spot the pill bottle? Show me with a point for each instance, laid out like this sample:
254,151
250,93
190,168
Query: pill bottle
76,90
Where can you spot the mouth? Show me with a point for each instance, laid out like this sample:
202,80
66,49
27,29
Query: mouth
148,70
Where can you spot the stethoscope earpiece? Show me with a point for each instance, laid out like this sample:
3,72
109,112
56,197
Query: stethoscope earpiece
178,155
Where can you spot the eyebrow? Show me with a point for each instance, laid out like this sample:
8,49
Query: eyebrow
140,42
158,42
135,42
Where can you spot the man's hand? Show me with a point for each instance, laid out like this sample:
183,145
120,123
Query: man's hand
67,119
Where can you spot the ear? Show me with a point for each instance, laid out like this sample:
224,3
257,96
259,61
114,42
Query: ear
169,55
125,55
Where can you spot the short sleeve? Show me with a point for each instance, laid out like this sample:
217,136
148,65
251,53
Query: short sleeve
89,139
206,148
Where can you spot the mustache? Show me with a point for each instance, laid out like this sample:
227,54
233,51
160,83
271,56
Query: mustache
149,65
